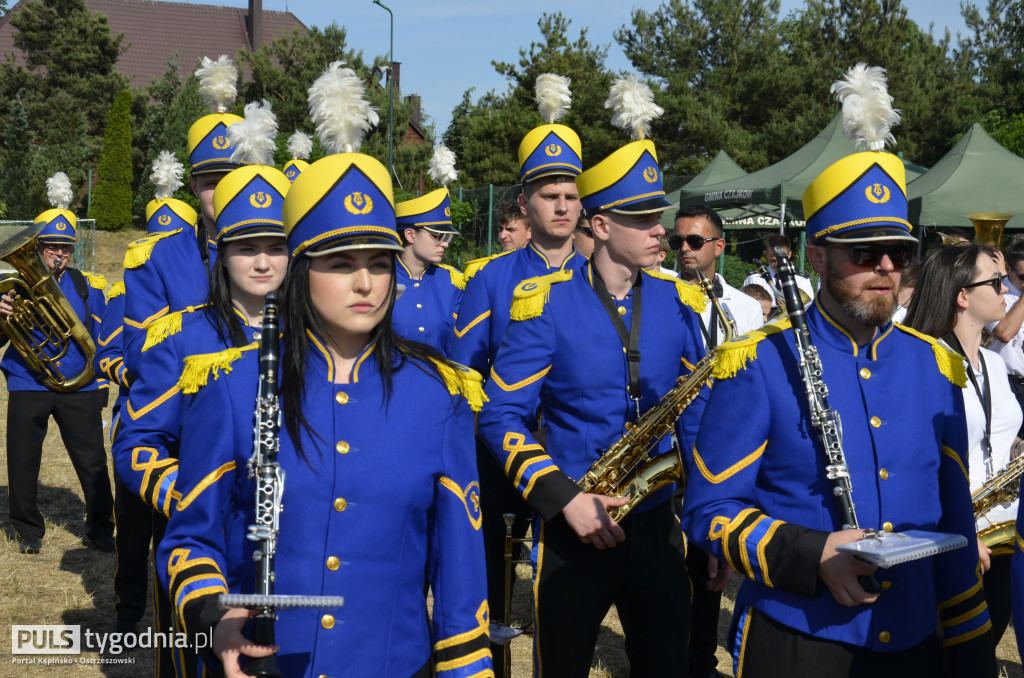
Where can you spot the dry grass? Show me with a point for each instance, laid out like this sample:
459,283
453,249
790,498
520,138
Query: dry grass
70,584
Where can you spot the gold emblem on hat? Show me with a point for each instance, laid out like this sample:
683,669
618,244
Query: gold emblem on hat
164,219
260,199
877,193
447,211
553,150
60,227
220,142
358,203
290,173
651,174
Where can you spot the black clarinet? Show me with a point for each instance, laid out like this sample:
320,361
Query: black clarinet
269,475
824,419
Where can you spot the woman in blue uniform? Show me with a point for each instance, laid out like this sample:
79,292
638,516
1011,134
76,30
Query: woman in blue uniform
380,495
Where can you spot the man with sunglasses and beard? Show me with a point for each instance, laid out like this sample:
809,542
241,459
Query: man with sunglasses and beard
759,495
427,308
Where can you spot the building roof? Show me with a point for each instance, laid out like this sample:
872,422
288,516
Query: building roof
155,31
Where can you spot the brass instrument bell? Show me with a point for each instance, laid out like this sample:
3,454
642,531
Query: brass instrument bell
988,227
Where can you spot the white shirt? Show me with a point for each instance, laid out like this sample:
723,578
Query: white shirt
1006,419
744,309
802,282
1013,352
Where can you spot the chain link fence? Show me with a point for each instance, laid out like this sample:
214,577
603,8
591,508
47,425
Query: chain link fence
84,257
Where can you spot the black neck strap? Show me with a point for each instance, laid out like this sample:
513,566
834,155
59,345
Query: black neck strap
630,339
984,393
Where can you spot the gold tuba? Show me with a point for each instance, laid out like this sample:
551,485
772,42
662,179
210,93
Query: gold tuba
988,227
43,324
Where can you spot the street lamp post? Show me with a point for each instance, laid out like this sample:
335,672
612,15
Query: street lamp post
391,90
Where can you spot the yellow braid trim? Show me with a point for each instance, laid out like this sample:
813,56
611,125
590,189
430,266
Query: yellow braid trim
161,328
733,356
530,295
139,251
689,294
458,277
96,281
462,380
473,267
116,290
951,363
199,367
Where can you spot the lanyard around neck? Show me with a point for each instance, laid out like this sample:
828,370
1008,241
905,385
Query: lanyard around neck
630,339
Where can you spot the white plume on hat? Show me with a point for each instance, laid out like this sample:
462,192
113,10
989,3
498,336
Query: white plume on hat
442,166
167,174
300,145
339,110
217,82
255,137
868,114
553,96
633,104
58,191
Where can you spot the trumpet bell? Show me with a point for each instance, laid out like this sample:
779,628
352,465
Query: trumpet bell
988,227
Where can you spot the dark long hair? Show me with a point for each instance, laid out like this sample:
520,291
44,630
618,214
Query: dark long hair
219,310
941,276
298,315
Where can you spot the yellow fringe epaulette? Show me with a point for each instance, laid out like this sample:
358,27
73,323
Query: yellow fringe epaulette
733,356
462,380
198,368
530,295
139,251
691,295
458,277
473,267
96,281
161,328
951,363
116,290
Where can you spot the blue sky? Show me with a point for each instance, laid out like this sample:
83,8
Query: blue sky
446,46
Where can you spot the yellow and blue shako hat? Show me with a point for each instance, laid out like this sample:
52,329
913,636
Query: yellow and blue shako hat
548,150
861,198
341,202
300,145
164,215
60,225
209,149
249,202
628,181
433,211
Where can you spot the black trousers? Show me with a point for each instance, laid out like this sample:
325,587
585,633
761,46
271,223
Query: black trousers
78,417
644,577
772,650
997,583
704,612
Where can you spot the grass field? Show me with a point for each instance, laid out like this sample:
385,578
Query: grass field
68,583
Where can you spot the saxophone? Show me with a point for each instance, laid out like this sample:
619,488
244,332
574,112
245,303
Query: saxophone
627,468
1001,488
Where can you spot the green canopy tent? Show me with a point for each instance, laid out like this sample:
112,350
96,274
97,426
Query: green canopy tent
721,168
977,175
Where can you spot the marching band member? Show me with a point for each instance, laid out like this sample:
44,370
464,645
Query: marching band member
758,495
959,291
300,145
550,158
168,271
31,402
636,326
427,308
377,450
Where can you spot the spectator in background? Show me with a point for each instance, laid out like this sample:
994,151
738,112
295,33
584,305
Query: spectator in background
908,281
1008,333
764,298
770,243
662,253
583,237
513,226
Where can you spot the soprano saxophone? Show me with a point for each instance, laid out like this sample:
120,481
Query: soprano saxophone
627,467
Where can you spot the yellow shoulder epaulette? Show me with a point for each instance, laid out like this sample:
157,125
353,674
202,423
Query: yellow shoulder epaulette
530,295
163,327
96,281
458,277
473,267
951,363
462,380
139,251
733,356
199,367
116,290
691,295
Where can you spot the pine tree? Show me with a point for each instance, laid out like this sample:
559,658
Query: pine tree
112,202
14,177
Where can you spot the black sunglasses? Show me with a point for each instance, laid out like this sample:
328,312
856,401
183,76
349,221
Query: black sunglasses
870,255
675,242
996,283
586,230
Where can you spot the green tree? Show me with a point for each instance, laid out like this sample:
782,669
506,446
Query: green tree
485,135
16,161
112,203
995,51
66,147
